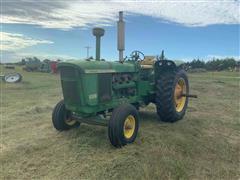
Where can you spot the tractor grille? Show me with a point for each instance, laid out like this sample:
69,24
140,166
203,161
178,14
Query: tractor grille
70,85
70,92
104,87
68,72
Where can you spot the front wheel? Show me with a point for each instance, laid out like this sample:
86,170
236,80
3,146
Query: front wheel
61,118
123,125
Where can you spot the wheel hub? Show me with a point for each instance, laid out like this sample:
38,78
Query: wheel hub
129,126
69,120
180,89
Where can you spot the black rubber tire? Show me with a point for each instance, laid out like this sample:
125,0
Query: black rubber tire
59,115
165,103
116,123
3,78
19,80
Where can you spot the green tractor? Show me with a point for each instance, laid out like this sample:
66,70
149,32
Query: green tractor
110,93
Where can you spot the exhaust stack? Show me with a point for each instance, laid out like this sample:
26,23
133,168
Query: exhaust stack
121,36
98,32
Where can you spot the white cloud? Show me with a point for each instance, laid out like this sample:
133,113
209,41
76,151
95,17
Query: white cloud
13,41
69,14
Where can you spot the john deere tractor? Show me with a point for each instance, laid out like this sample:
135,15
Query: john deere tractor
110,93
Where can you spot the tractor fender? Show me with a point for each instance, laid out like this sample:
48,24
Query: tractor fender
163,66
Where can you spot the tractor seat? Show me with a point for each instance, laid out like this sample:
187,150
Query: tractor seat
148,62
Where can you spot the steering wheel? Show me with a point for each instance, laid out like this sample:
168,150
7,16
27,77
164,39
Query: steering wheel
137,56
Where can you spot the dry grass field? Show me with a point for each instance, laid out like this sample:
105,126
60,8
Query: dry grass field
204,145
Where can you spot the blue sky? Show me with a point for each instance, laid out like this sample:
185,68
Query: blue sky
183,35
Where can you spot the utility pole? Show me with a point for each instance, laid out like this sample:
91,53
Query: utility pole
87,47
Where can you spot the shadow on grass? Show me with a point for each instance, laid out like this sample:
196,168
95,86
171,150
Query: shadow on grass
97,136
149,116
85,135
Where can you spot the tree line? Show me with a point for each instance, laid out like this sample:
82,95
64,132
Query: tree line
213,65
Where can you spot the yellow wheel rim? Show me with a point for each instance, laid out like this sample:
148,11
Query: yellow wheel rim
129,127
180,89
70,121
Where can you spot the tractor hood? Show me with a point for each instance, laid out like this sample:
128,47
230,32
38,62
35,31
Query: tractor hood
99,66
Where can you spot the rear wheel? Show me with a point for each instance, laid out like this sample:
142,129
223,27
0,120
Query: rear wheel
170,102
123,125
61,118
